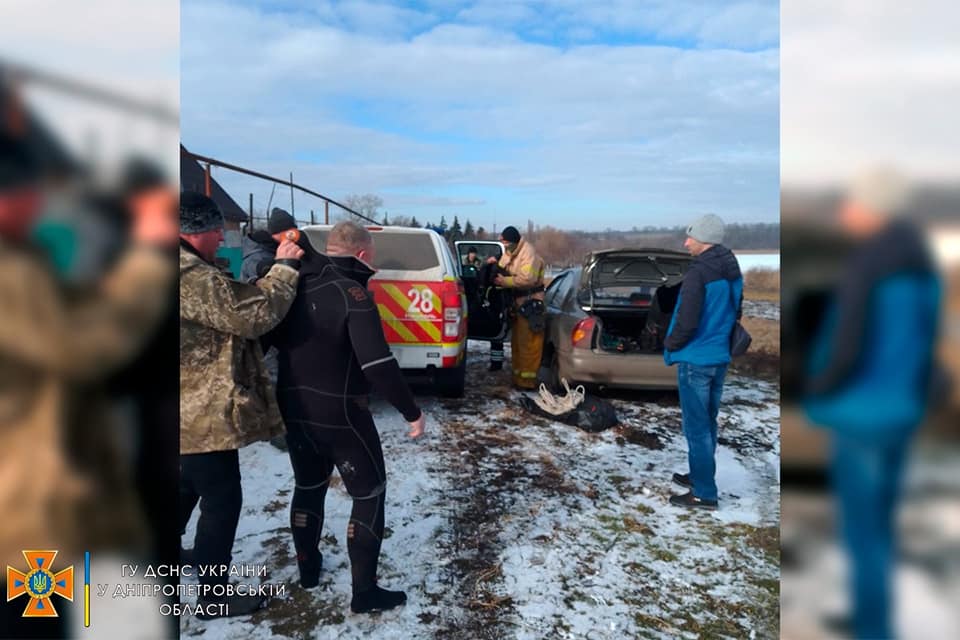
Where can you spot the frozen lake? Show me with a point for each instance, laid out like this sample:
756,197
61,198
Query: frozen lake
750,261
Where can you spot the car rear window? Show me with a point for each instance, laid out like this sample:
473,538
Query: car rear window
398,251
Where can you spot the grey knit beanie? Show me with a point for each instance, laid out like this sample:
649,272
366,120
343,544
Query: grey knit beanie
707,229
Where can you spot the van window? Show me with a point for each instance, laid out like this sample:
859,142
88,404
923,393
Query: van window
400,251
405,251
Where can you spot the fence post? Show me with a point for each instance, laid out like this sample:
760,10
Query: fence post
293,211
251,213
312,219
326,212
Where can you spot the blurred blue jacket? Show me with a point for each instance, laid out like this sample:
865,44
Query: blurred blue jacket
708,305
870,362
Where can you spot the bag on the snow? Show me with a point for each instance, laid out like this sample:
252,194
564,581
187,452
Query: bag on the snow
577,408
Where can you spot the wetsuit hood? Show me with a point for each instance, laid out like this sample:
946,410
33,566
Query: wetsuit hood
353,268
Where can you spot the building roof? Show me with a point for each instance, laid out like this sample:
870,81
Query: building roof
192,179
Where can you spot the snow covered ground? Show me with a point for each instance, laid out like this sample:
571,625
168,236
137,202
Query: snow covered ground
505,525
927,582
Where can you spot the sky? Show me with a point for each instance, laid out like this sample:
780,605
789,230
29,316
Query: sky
586,115
868,83
131,49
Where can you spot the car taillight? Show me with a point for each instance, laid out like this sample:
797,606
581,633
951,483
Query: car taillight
451,295
583,333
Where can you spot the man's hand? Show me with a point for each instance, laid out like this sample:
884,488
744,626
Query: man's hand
492,260
499,281
154,216
416,427
289,251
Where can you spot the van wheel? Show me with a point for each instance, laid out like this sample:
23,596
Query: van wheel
451,383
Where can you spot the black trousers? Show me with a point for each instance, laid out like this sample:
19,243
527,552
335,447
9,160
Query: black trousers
213,480
350,442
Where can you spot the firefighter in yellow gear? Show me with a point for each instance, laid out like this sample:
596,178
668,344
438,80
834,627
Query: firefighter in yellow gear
521,271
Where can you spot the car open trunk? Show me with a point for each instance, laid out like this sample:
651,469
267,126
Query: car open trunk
632,294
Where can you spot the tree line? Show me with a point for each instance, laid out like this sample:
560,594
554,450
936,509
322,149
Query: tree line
564,247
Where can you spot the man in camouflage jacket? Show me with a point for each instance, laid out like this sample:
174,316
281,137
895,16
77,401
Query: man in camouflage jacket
226,399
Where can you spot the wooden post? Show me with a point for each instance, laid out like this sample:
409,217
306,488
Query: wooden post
206,180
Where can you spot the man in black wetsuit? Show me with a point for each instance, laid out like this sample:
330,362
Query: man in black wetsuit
331,350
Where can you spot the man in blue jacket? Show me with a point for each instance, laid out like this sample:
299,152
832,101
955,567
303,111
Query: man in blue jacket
869,379
698,341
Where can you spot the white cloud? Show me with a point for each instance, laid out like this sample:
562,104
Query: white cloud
474,107
866,83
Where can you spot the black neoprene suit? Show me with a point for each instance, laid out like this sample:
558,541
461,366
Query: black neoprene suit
331,351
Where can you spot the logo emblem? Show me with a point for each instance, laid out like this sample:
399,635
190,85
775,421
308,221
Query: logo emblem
40,583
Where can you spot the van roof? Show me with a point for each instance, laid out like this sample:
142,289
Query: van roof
373,228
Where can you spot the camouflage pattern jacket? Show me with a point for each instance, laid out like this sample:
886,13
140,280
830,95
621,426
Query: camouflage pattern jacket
226,399
50,347
526,271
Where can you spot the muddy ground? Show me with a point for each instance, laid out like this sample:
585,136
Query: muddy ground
506,525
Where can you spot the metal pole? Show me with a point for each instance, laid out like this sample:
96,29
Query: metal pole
312,219
326,212
293,211
276,181
251,212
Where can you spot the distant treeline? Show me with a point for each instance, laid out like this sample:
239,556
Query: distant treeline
561,247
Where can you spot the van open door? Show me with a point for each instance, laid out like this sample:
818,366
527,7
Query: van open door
486,306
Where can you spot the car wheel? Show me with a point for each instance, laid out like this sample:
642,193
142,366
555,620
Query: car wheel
451,383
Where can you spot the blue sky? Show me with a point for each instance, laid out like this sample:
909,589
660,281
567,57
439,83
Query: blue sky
577,114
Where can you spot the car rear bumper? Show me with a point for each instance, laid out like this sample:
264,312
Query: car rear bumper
421,357
628,371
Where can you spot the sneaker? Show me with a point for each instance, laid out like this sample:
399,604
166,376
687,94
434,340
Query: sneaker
683,479
690,500
376,599
229,606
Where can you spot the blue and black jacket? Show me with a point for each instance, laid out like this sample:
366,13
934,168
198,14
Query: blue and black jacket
870,363
707,307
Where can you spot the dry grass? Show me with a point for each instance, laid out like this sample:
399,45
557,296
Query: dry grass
762,284
765,334
763,358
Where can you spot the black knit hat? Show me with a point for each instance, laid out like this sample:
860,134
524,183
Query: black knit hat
198,213
141,174
18,166
510,234
280,221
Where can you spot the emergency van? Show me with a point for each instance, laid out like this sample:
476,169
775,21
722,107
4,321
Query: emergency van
423,304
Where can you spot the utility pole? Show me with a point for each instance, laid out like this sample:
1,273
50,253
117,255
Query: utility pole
293,211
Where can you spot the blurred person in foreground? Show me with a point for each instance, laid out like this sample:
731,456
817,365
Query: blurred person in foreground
331,352
226,399
868,381
521,273
698,341
58,481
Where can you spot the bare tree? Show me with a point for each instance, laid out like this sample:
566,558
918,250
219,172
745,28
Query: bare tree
367,204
